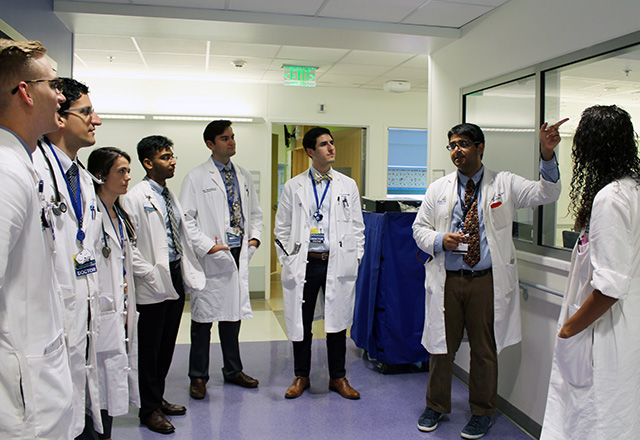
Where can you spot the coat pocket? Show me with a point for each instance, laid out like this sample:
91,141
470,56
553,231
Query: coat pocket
574,356
501,216
347,259
289,271
218,263
111,333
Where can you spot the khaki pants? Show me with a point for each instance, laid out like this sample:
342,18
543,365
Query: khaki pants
468,303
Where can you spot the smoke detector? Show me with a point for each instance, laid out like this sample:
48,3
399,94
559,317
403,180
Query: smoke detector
239,63
397,86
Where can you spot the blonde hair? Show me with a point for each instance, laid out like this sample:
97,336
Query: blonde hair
16,64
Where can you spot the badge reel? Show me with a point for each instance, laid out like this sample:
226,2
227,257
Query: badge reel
462,248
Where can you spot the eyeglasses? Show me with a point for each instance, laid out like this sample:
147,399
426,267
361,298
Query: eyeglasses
84,111
461,144
55,83
168,157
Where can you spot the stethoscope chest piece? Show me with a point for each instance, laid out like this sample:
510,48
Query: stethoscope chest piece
106,251
59,208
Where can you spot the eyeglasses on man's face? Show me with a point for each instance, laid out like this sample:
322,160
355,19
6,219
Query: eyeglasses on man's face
55,83
84,111
460,144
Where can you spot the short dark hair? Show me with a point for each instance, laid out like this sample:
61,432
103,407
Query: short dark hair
215,128
309,139
72,91
472,131
150,145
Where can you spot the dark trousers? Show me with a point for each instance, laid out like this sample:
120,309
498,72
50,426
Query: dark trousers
315,278
468,302
201,339
158,326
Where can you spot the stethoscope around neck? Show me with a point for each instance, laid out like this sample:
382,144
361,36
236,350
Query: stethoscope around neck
58,207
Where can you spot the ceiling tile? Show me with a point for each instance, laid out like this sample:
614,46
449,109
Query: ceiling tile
375,58
244,49
315,54
199,4
358,69
406,73
102,56
103,42
372,10
161,59
441,13
177,46
291,7
418,62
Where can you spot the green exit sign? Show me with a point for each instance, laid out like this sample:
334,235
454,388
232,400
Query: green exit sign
299,76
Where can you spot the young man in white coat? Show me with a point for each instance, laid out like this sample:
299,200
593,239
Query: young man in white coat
223,213
465,224
77,225
35,378
320,233
167,265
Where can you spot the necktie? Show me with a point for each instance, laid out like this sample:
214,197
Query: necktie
235,210
72,178
471,226
173,223
318,177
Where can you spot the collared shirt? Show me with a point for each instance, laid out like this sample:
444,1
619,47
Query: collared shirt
65,161
220,166
24,144
157,189
324,224
549,171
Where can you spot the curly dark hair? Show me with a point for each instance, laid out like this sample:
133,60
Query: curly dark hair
604,150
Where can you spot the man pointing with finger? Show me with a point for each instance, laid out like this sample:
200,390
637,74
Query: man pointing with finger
465,223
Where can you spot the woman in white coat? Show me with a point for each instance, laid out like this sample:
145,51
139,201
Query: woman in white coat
593,392
116,342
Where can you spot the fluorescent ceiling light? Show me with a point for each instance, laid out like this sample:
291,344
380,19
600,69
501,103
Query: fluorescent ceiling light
112,116
198,118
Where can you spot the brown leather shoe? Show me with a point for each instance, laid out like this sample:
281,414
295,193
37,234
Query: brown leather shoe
342,386
198,388
157,422
244,380
297,387
172,410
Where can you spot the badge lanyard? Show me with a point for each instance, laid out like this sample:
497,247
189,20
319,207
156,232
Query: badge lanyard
77,200
318,215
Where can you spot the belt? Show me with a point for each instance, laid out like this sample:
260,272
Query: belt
469,273
319,255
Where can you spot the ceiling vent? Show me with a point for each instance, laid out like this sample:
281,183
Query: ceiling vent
397,86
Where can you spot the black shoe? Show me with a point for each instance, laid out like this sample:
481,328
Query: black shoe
429,419
244,380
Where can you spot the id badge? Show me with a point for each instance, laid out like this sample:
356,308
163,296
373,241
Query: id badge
84,263
234,237
317,235
462,249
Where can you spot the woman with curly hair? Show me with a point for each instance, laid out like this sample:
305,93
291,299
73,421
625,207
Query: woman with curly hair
593,391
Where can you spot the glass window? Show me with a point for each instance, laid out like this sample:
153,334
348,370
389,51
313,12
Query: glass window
612,78
407,164
506,114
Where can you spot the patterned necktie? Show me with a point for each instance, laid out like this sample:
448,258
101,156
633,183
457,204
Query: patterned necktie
471,226
72,178
235,210
317,177
173,222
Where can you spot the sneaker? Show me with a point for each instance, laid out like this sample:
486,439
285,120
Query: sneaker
429,419
477,427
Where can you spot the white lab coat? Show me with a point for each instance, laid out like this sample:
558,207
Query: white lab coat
77,292
595,378
346,248
206,214
152,274
506,192
117,349
35,379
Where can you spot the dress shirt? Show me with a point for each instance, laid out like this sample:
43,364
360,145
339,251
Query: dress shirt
325,210
157,190
220,166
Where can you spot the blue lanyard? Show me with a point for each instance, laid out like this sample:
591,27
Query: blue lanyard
315,192
77,200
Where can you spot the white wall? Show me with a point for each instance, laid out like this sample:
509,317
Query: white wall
373,109
517,35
